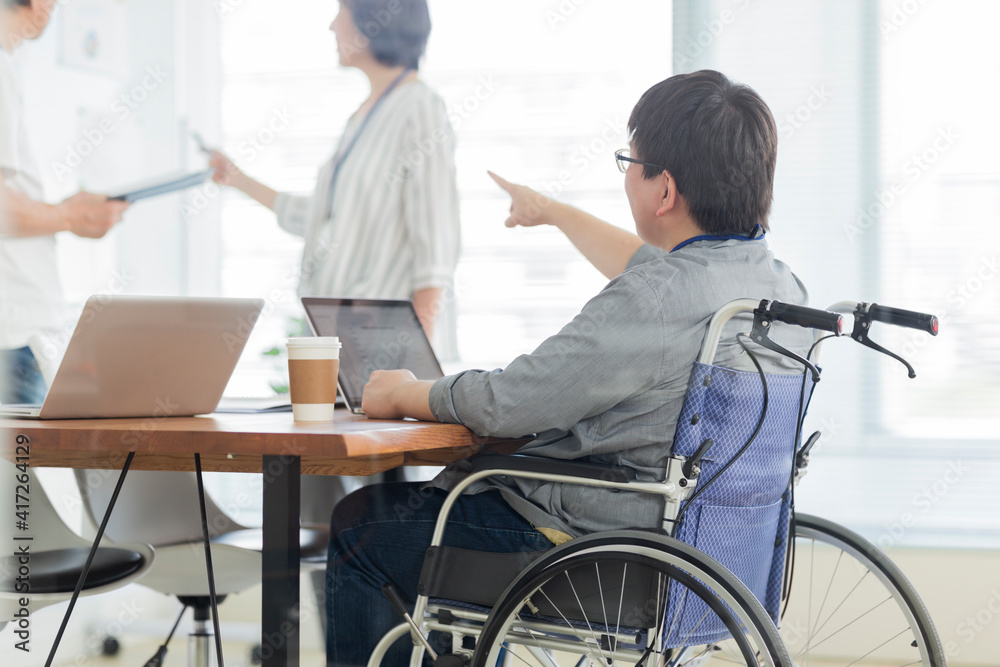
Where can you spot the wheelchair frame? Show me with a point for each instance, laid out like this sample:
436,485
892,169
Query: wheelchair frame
680,481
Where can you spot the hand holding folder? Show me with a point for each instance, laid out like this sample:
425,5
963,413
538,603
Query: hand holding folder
165,187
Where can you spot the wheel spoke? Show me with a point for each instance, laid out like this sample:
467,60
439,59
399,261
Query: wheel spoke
600,593
812,577
842,602
566,620
621,600
876,648
853,621
583,614
537,644
696,626
676,573
677,614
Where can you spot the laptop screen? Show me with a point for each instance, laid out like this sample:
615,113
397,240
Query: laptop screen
375,334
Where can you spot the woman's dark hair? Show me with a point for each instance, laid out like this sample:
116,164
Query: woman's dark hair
718,140
16,3
397,30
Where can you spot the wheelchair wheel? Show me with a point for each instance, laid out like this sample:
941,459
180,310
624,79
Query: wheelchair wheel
626,598
851,605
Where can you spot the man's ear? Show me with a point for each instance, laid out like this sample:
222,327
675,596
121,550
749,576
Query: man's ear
670,198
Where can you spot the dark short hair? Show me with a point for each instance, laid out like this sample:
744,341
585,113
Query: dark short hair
16,3
718,140
397,30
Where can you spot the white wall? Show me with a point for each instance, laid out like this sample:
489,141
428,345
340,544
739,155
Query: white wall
114,130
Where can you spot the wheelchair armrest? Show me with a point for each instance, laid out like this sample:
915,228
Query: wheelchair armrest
537,464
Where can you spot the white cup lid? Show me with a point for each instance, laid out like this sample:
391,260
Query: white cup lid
314,341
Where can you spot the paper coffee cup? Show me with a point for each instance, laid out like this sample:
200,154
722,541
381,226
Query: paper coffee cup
313,364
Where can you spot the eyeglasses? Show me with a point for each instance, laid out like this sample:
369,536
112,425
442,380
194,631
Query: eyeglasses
622,159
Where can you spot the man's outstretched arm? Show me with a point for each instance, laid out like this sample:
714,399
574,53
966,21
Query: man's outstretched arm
607,247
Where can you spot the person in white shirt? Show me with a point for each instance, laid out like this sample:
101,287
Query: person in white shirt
31,299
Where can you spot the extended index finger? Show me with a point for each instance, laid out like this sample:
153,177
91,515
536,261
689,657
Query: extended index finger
503,183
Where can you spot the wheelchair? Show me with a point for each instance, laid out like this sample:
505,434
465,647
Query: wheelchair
735,576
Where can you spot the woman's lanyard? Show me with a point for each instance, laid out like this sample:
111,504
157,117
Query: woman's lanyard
350,146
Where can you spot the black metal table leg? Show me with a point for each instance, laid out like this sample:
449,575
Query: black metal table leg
280,562
90,559
212,597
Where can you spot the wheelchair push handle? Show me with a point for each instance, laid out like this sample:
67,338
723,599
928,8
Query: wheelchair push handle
811,318
904,318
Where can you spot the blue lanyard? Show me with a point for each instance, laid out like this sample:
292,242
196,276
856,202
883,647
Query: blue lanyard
756,235
350,146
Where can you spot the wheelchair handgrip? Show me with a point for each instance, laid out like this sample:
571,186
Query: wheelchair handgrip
812,318
904,318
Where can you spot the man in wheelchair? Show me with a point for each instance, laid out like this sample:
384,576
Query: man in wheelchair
608,388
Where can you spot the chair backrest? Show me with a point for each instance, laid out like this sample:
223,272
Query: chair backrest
57,553
740,518
160,508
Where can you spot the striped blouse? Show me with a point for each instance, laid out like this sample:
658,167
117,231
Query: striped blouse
392,225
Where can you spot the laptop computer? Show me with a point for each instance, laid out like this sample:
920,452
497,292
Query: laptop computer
141,356
375,334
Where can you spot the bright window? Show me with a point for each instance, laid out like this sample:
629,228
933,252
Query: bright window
549,115
939,229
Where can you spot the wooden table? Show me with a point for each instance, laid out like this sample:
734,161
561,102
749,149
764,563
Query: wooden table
272,444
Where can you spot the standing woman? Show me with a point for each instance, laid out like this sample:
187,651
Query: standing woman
383,219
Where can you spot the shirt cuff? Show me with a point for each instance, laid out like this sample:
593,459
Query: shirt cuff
442,399
441,402
281,204
438,278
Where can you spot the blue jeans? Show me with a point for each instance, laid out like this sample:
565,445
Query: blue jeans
379,534
20,378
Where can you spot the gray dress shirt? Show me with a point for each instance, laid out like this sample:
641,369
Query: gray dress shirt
609,386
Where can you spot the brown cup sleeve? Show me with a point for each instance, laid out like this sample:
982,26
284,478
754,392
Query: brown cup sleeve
313,380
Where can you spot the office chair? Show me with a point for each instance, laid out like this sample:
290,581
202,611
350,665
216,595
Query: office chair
162,508
57,554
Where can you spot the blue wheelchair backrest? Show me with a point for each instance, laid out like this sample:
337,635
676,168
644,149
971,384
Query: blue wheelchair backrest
741,518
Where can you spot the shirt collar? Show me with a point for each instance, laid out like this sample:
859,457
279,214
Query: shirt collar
756,234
